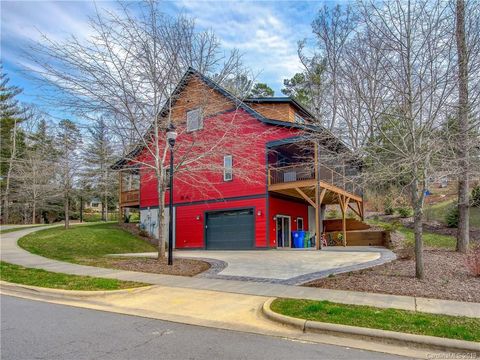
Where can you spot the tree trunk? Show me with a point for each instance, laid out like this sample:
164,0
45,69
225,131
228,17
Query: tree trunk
418,230
66,206
6,206
463,141
34,211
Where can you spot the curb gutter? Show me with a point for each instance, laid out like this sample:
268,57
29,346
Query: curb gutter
60,293
383,336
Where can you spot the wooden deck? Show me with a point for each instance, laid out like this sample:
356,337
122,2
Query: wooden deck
317,185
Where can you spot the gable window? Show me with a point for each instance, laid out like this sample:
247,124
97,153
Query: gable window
228,168
194,120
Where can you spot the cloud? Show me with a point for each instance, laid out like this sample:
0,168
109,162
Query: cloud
265,32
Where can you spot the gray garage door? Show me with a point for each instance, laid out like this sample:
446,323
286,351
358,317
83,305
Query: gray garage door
230,230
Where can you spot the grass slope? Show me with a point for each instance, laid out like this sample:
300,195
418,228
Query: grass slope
453,327
37,277
429,239
83,244
437,212
6,231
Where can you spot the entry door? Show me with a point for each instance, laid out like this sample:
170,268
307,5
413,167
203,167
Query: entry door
283,231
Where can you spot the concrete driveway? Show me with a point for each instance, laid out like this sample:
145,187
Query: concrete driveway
285,266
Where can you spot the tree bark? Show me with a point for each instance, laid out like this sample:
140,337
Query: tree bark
463,128
418,230
66,206
6,206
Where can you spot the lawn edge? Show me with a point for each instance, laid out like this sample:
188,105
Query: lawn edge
377,335
38,290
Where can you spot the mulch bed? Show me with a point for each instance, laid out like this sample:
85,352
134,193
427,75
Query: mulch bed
182,267
446,277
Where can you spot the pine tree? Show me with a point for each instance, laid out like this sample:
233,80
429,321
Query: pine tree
68,140
11,137
98,157
261,90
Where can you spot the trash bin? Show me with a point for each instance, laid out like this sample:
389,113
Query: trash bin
298,239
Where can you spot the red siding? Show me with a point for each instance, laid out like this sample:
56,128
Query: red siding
190,230
204,180
289,208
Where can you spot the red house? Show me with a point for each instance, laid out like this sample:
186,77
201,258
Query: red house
267,175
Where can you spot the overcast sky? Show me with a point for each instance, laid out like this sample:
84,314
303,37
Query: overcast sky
265,31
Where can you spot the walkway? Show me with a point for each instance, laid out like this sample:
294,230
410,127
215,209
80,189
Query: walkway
12,253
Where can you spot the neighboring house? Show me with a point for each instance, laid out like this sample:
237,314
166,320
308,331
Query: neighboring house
289,192
94,205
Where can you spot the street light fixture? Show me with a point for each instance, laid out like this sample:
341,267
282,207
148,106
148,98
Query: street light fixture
171,138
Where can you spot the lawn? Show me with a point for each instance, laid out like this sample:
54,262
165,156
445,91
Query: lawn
453,327
437,212
89,245
83,244
37,277
429,239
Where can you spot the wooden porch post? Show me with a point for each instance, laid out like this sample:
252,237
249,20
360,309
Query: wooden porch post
318,201
120,190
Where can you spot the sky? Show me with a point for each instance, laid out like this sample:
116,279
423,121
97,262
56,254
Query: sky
266,32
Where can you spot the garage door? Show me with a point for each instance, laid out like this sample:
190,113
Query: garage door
230,230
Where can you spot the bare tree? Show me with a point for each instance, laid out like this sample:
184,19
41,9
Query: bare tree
127,70
415,45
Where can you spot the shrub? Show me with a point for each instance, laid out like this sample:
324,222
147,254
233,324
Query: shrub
391,226
472,260
388,207
405,211
451,216
476,196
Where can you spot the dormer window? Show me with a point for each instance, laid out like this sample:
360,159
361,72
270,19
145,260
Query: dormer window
299,119
194,120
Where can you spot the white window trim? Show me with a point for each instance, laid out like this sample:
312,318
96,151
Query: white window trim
200,120
227,171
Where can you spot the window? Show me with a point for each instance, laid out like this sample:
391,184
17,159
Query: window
300,224
299,119
194,120
228,168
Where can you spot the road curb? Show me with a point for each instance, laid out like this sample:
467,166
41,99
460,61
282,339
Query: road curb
60,293
383,336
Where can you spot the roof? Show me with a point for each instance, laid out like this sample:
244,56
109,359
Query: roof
281,99
239,103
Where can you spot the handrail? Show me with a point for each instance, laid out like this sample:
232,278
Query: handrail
305,171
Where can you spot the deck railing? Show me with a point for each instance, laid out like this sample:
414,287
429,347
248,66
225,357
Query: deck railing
130,197
299,172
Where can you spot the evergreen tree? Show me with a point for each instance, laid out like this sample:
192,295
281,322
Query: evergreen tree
11,138
98,157
68,140
261,90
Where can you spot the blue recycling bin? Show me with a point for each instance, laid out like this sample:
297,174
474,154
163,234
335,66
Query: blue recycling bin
298,239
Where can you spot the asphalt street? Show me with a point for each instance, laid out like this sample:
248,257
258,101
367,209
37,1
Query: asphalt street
39,330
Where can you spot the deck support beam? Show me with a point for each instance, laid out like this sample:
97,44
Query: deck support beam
344,204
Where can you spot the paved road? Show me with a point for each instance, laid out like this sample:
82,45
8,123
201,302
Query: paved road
37,330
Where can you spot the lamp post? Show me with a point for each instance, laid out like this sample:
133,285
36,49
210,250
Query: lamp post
171,137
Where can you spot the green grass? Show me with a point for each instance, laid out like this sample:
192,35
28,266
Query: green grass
437,212
37,277
429,239
84,244
452,327
5,231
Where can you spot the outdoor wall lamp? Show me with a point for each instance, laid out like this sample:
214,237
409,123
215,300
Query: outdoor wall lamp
198,217
259,212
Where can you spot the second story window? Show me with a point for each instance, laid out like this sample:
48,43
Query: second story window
194,120
228,168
